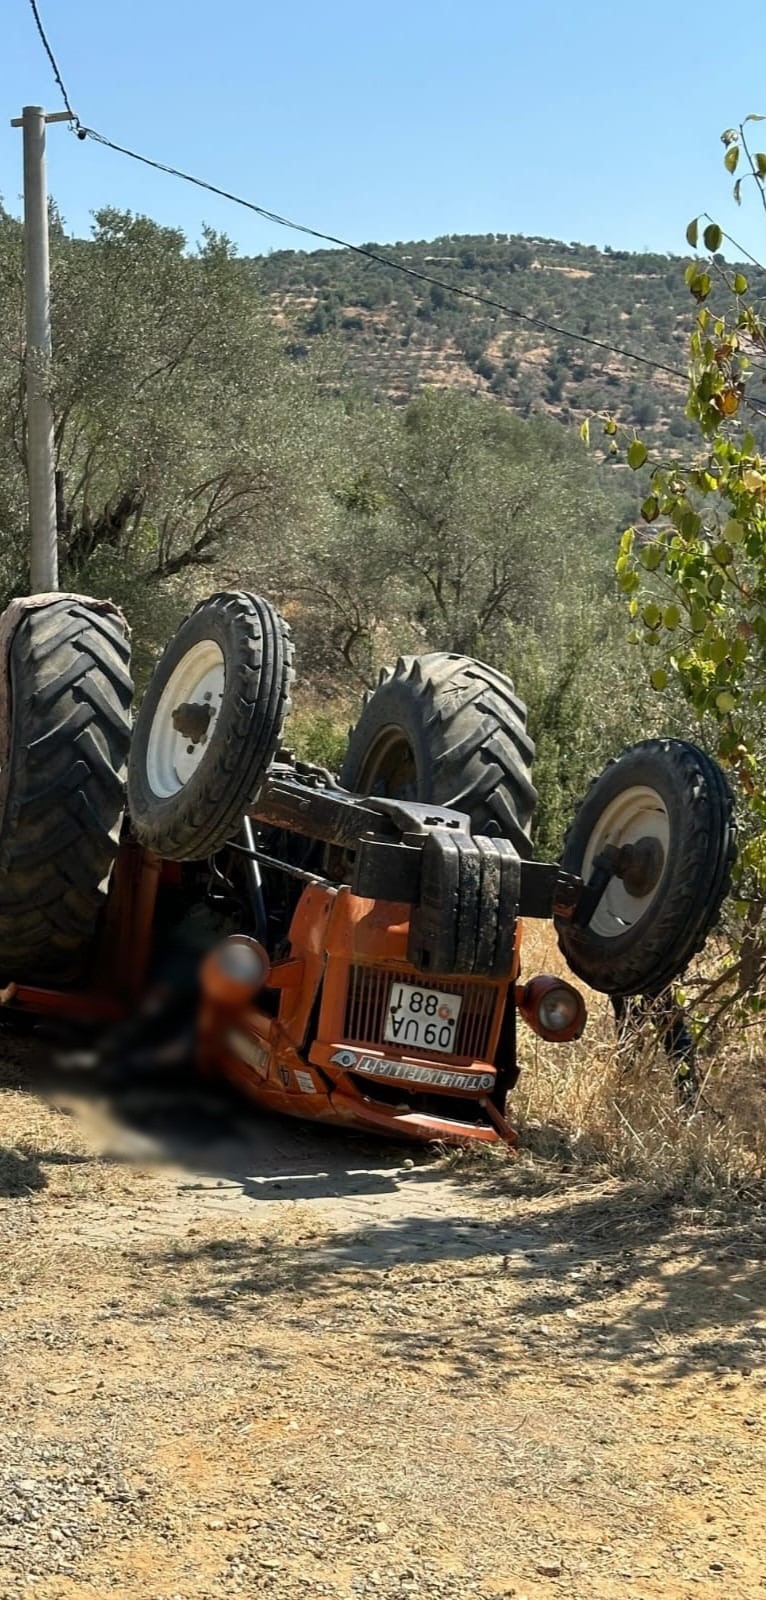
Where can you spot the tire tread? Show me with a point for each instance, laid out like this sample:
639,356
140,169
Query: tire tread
65,787
702,871
259,661
479,751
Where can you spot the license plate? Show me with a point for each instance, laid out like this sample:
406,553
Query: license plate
422,1019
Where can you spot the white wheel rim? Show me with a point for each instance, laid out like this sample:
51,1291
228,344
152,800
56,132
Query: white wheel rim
193,696
637,813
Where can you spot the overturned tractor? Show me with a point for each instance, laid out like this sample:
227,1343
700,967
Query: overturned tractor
347,950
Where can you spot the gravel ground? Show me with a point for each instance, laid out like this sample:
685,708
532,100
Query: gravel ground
277,1363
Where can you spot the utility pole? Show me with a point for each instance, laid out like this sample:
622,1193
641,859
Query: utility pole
40,451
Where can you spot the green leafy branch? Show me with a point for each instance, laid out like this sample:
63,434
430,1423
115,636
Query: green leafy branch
693,566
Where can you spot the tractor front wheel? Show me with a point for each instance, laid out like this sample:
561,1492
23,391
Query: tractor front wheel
666,807
209,726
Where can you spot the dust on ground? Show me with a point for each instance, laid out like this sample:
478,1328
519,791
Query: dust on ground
245,1357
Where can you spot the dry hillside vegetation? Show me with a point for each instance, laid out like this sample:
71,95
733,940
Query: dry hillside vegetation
399,334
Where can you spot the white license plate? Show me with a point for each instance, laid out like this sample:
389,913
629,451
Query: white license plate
422,1019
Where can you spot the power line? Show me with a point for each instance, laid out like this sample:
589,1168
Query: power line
344,244
83,132
385,261
473,295
53,62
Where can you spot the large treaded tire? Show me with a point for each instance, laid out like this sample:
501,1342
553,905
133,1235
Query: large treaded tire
63,789
466,732
650,955
209,808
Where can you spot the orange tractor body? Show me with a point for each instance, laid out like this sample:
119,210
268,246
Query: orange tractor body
346,1030
322,1052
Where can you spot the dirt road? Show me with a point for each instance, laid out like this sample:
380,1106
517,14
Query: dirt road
241,1358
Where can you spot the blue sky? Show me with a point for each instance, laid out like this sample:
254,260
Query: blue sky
594,121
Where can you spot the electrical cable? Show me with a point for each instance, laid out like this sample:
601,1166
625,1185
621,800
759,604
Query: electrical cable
54,64
397,266
473,295
85,132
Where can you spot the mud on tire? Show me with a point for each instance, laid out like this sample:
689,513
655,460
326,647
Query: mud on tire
447,729
62,783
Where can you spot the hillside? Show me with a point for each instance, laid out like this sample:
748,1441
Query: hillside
399,335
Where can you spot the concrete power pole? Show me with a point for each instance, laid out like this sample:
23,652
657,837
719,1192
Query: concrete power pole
40,451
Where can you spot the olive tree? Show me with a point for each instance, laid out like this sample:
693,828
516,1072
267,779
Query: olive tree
181,422
493,518
447,526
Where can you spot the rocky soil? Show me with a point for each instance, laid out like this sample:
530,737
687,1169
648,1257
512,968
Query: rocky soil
241,1358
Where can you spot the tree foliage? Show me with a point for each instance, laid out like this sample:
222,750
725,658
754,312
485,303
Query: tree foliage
201,443
694,568
180,422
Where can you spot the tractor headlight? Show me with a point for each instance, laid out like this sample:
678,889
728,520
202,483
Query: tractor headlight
234,971
243,963
552,1008
559,1009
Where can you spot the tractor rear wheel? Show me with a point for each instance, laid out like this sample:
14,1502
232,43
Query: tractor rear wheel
448,730
65,732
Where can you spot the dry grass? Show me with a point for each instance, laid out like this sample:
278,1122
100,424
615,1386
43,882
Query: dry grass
599,1106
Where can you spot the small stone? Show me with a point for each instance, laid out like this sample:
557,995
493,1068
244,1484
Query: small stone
549,1569
408,1165
715,1566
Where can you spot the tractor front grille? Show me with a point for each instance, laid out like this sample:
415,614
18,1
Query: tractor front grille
367,1005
